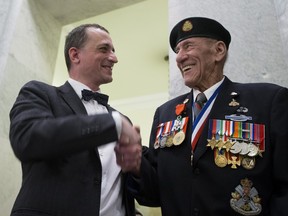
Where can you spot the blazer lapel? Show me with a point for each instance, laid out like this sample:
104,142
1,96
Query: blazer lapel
71,98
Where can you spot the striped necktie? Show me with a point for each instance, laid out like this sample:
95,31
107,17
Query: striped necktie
199,103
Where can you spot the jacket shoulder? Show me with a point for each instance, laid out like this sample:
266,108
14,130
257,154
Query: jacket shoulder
174,101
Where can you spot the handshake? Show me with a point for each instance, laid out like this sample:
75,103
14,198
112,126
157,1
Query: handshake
129,148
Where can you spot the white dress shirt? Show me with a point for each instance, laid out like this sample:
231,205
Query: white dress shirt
111,192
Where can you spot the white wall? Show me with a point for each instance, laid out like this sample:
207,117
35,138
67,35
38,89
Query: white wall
29,40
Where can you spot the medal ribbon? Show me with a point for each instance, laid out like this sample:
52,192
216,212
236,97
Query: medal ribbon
212,128
159,131
260,135
165,128
199,122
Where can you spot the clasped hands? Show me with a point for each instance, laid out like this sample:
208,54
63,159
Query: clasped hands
129,148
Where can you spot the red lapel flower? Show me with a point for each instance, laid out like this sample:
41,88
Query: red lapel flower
180,108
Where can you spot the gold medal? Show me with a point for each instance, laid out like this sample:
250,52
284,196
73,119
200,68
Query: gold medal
235,161
169,141
179,138
220,159
228,144
220,144
212,142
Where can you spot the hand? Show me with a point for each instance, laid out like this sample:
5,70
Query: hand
129,149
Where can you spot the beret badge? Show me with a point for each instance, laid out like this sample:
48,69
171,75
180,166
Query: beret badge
187,26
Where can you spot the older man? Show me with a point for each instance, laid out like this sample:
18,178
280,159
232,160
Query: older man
222,148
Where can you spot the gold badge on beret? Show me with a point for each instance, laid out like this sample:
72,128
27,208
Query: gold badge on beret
187,26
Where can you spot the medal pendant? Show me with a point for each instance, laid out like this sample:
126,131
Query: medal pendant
163,141
253,150
169,141
244,149
236,148
212,142
220,159
156,145
235,161
220,144
228,144
179,138
248,163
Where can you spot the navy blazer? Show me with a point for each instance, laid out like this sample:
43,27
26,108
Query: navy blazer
168,179
55,140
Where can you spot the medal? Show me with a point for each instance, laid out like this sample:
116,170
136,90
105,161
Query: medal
253,150
158,136
244,148
169,140
228,144
156,145
234,161
163,141
179,138
248,163
220,158
220,144
236,148
212,142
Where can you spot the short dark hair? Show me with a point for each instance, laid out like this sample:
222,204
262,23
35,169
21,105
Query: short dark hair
77,38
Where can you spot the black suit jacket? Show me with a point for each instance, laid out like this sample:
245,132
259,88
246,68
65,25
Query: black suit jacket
56,141
168,179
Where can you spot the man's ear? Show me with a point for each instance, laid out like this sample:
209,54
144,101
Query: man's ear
221,50
74,55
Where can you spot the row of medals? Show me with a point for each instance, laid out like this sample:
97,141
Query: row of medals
234,152
170,139
174,137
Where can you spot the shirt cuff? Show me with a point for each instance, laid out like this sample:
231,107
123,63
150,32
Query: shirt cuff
118,121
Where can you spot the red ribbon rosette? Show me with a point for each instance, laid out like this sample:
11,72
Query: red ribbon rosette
180,108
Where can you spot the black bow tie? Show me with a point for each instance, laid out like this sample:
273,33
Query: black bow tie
100,98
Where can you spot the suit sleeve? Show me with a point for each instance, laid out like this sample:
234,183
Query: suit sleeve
38,133
279,139
145,188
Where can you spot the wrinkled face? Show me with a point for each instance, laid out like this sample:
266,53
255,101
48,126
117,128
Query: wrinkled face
196,59
97,58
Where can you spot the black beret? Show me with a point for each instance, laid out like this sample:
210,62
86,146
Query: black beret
198,27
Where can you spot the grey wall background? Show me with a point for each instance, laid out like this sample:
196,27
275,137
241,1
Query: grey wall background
259,31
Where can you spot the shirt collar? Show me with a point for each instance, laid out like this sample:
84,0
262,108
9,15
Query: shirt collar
78,86
208,92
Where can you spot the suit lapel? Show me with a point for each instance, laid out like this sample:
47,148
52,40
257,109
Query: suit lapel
71,98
